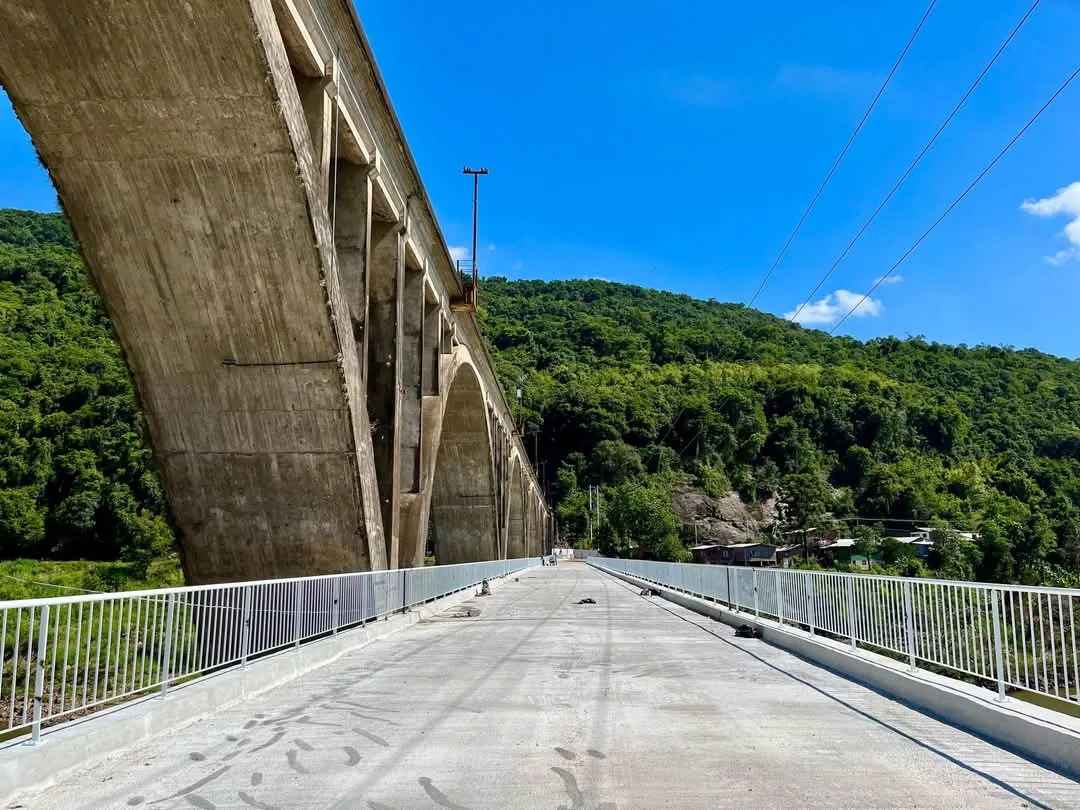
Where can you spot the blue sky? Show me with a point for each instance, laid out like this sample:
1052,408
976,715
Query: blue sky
631,142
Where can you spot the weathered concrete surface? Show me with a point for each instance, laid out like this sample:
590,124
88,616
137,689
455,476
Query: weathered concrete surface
542,702
181,151
286,325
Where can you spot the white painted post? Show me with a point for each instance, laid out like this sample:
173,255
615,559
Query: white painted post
166,649
754,579
296,617
998,647
850,583
909,621
334,606
811,613
779,597
245,629
39,677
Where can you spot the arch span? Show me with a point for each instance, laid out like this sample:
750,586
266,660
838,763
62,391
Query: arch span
462,512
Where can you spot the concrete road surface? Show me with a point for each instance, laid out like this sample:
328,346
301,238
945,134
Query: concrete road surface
537,701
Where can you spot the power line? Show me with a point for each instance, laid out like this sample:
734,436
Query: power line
840,157
916,161
958,200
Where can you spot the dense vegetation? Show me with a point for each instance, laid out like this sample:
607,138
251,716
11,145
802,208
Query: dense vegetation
639,392
76,476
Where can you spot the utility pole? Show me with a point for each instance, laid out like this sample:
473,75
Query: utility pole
589,518
471,296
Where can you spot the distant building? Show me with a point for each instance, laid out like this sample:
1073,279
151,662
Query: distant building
756,554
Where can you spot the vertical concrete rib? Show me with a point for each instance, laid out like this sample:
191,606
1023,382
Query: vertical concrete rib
385,293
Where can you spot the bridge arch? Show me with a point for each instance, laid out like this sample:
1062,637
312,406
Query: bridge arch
462,510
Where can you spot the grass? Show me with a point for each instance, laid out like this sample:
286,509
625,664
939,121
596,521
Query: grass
36,579
1047,702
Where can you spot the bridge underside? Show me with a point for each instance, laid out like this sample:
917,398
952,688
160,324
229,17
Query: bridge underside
538,701
288,361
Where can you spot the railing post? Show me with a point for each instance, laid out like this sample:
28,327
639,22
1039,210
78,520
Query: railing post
850,588
334,606
245,629
727,573
753,581
296,617
909,621
811,613
39,676
998,647
166,647
779,598
404,601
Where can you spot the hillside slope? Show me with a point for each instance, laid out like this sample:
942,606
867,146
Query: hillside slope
634,389
665,403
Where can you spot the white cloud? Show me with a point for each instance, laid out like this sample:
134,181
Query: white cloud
458,253
1066,202
893,279
834,306
491,245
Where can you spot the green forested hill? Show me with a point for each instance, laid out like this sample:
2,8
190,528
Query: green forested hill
639,392
76,478
634,387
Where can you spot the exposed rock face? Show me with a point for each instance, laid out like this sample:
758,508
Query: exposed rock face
725,520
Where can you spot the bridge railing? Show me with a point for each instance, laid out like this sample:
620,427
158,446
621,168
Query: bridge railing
66,657
1003,637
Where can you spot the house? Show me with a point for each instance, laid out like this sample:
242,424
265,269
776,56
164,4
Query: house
708,554
786,556
757,554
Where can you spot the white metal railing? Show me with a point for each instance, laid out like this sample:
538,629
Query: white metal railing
1003,636
66,657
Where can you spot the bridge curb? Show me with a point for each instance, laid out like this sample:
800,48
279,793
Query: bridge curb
1044,736
26,770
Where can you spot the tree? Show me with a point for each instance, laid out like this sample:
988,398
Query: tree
640,518
803,502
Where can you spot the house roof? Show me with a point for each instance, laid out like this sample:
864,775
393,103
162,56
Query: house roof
840,542
705,546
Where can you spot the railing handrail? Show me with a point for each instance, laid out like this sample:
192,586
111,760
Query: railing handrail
186,589
956,583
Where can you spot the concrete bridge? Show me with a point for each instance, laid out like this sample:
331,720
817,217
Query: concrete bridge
316,390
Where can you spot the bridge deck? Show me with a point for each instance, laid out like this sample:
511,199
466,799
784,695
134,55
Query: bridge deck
542,702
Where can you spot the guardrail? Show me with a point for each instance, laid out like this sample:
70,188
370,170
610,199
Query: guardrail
999,636
66,657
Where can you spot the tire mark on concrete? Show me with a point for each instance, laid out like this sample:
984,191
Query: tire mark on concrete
375,738
374,805
251,801
352,754
592,752
276,738
303,746
195,785
294,763
577,798
438,796
256,778
198,801
565,754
